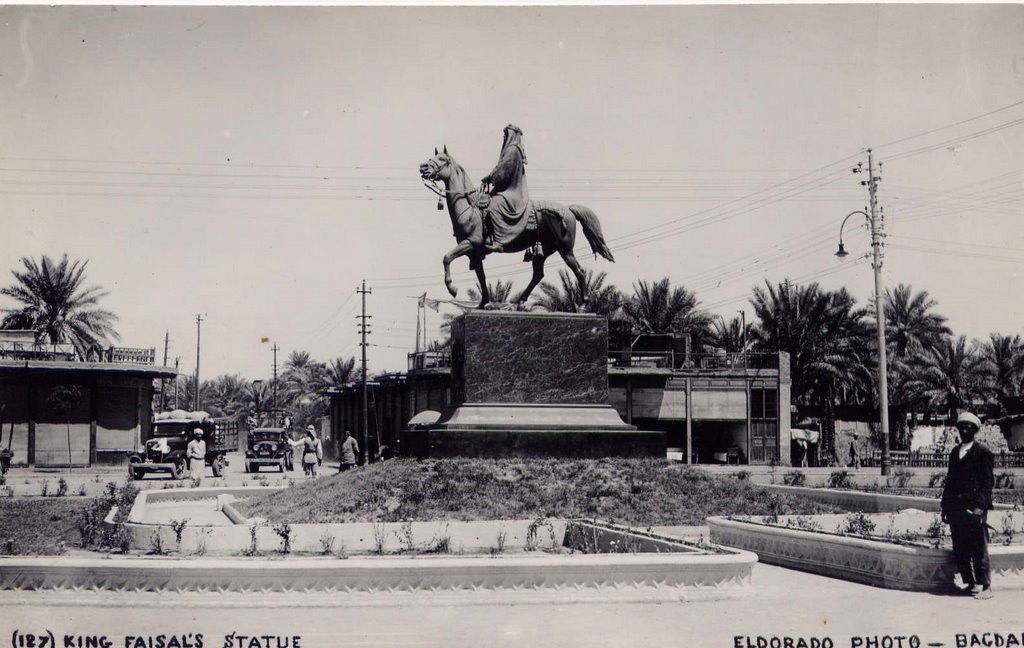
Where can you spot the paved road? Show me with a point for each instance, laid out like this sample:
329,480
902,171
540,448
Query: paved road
782,602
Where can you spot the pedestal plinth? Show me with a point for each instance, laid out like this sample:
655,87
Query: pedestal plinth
530,385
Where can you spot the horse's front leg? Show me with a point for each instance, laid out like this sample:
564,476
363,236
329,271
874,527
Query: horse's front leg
459,250
478,264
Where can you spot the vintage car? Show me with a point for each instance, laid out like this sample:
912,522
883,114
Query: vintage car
268,446
172,431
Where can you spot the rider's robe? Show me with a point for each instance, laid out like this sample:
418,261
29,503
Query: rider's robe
509,194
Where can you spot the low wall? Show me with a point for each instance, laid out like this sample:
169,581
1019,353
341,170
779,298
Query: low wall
872,562
853,500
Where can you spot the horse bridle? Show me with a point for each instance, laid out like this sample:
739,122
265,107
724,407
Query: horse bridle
435,170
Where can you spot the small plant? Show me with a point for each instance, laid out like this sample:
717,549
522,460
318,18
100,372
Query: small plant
794,478
804,523
532,532
178,526
1006,528
7,491
201,541
405,536
380,537
1005,480
840,479
937,480
254,548
742,475
499,547
44,491
156,544
284,531
62,488
327,541
442,542
936,531
9,547
899,478
857,523
195,482
81,490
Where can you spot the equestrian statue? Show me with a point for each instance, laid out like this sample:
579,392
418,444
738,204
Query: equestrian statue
499,216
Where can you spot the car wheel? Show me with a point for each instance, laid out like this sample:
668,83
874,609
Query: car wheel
178,470
218,466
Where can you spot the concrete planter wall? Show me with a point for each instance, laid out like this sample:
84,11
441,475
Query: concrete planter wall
853,500
861,560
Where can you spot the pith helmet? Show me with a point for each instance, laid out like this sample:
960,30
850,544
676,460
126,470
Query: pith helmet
968,418
197,432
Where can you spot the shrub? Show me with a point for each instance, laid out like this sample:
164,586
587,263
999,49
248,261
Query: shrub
840,479
899,478
1006,528
794,478
499,546
804,523
90,522
936,531
253,549
327,544
532,542
742,475
937,480
81,490
405,536
284,531
156,544
442,542
45,490
178,526
857,523
380,537
62,488
1004,480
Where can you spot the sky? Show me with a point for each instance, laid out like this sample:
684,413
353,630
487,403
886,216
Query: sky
254,165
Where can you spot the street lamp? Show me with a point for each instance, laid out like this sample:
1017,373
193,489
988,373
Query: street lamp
876,262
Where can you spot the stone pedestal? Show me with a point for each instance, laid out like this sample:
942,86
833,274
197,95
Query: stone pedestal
530,385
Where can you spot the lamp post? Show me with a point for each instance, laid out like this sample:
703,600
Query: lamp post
875,224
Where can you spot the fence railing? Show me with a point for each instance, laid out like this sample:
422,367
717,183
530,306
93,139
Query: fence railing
706,361
126,355
67,353
914,459
430,359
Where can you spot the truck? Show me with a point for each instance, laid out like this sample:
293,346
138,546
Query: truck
172,431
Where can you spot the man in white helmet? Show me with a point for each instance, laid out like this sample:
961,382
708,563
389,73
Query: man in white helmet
966,500
195,452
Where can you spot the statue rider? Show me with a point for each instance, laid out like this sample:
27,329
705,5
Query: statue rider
506,187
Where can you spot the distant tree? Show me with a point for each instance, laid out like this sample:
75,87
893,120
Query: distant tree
953,374
340,371
227,395
57,306
657,307
1003,364
910,325
302,383
730,336
565,297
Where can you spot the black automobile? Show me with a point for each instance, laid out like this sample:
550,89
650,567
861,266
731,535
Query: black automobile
268,446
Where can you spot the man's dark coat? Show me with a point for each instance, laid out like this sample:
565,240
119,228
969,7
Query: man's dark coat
969,481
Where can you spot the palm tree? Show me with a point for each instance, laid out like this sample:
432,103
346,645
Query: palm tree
730,336
825,336
227,395
340,371
566,297
303,381
953,374
57,306
909,326
1003,357
659,308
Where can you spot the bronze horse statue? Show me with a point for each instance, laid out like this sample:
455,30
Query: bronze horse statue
551,228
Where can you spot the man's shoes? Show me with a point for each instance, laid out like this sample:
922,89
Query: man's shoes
966,590
985,594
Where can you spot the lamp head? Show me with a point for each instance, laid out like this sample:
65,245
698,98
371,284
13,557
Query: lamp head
841,252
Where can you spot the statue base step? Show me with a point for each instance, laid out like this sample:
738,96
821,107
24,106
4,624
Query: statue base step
500,430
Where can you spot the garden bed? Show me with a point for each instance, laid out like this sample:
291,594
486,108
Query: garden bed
40,526
631,491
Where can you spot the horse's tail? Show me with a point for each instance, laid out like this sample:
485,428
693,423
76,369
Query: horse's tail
592,230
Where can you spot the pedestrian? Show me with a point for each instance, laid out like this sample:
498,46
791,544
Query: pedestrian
966,500
312,451
195,454
348,450
854,461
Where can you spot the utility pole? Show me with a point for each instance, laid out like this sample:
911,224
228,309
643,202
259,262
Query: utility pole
176,360
875,217
364,331
163,381
199,322
275,349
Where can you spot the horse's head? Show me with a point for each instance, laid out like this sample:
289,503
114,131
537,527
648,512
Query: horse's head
438,167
